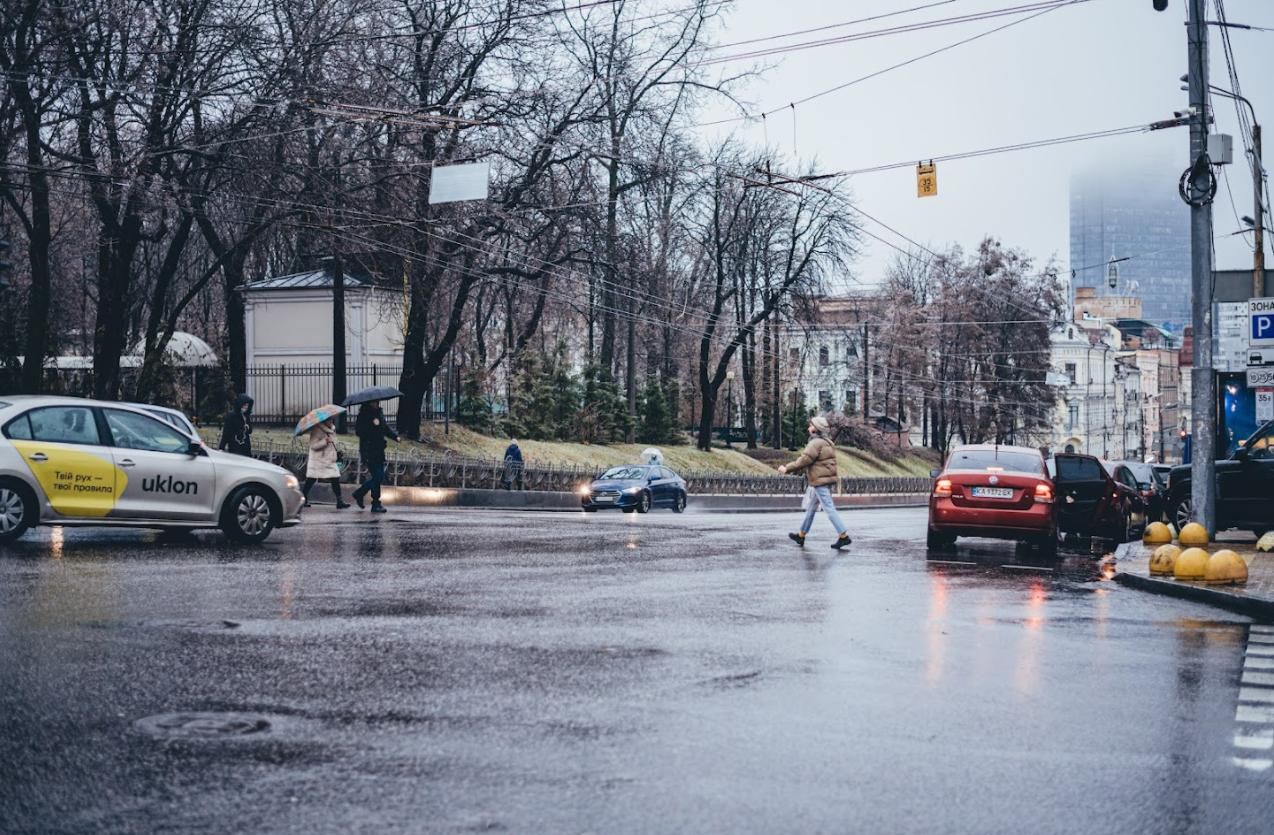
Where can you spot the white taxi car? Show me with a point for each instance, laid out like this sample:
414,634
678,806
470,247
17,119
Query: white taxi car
69,461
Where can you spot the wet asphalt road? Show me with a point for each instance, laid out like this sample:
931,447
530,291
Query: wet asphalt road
470,671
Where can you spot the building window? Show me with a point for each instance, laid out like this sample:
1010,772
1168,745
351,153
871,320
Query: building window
1072,417
794,356
1070,372
851,402
824,357
851,348
825,401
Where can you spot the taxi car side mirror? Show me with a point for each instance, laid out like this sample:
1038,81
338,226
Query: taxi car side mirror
196,449
935,473
1242,454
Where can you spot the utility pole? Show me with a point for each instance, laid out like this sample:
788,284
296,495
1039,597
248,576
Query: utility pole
1203,402
1258,228
338,335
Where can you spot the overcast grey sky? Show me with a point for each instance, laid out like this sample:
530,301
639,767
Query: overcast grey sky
1097,65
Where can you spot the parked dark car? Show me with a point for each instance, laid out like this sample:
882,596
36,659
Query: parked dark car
1091,502
1134,501
635,488
1244,487
1153,488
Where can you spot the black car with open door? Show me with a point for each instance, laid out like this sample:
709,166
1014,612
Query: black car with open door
1090,502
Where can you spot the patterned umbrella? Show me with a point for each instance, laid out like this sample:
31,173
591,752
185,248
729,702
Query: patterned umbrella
317,416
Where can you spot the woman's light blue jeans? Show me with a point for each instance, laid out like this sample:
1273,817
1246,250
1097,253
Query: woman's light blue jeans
825,499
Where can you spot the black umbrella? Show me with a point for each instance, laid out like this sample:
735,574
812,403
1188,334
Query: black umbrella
370,395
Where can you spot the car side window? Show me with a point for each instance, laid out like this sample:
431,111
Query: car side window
18,429
1262,449
64,425
134,431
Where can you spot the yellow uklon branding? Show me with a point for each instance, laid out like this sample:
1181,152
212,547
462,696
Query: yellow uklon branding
77,482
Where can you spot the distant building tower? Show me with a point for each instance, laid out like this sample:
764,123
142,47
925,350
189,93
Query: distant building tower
1132,211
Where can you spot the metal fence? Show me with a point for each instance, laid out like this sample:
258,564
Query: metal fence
445,471
283,393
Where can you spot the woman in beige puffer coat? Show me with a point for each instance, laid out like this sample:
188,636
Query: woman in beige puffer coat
321,465
818,461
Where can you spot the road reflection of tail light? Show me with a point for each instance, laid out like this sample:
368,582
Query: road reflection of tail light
1044,493
942,490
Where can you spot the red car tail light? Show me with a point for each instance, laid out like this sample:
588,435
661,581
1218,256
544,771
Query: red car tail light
942,490
1044,493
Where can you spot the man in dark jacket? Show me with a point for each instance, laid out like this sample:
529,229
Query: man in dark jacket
236,432
372,430
513,465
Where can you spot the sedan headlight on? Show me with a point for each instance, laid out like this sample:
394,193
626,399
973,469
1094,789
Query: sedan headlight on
632,491
290,482
584,490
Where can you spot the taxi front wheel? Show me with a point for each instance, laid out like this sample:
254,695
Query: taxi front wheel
248,516
17,509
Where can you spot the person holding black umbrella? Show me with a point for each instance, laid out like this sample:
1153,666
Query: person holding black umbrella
372,430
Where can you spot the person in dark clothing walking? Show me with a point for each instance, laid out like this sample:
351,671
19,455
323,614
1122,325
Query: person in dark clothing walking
236,432
513,465
372,430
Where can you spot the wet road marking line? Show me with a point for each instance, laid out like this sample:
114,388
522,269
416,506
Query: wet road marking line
1262,740
1261,629
1260,638
1252,764
1256,694
1254,714
1261,679
1253,662
1260,650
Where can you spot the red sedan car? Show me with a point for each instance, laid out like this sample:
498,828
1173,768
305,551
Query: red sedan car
1000,492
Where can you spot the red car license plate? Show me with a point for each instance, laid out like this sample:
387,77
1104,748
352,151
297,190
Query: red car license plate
992,492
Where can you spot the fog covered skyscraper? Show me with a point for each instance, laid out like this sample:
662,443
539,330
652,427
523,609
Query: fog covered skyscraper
1132,210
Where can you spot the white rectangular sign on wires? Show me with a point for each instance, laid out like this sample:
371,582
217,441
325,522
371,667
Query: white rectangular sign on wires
465,181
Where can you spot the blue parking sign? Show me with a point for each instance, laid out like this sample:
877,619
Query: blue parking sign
1261,317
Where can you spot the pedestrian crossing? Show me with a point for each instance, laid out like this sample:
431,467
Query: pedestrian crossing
1254,715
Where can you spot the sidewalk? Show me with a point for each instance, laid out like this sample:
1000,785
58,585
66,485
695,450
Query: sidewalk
1255,598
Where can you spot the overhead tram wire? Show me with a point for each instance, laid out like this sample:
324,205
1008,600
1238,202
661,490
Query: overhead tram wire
828,27
895,30
877,73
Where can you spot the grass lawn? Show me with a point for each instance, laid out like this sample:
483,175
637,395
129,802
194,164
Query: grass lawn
685,458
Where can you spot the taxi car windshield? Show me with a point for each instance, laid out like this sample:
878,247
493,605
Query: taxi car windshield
624,473
996,461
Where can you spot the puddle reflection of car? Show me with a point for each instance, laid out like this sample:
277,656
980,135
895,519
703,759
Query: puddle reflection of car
635,488
996,492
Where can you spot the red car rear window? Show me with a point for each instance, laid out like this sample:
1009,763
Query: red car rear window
998,459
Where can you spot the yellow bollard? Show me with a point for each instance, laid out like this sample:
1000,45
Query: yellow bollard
1191,564
1193,534
1164,559
1225,566
1156,533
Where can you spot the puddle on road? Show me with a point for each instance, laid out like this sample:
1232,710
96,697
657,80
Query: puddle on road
205,725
